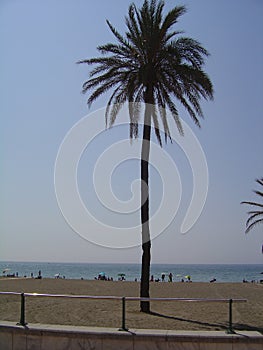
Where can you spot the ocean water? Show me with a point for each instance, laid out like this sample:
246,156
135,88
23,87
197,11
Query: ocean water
198,273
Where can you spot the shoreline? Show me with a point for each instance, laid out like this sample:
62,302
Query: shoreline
198,272
9,278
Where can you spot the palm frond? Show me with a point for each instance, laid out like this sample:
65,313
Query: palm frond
156,125
100,91
162,112
253,203
171,18
255,212
173,110
260,181
109,104
259,221
133,33
251,222
119,100
191,51
259,193
117,35
252,217
134,113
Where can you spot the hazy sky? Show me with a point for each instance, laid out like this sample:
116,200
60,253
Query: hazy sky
41,100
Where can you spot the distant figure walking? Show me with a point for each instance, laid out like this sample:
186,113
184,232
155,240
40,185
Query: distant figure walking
170,277
163,277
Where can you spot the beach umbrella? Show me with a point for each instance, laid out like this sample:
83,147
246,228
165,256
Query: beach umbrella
102,273
121,276
188,277
57,275
5,270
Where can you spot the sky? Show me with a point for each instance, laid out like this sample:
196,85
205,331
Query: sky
41,101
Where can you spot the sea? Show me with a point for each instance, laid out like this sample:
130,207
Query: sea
90,271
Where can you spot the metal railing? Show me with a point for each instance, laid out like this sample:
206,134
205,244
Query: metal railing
23,296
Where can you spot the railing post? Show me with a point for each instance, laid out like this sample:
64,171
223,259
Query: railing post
22,311
123,327
230,326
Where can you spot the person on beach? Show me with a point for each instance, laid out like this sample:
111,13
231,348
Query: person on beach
163,277
170,277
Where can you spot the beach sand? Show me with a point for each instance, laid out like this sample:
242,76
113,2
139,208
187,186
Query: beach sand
108,313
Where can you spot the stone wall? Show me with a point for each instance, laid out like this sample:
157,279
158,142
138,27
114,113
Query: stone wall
51,337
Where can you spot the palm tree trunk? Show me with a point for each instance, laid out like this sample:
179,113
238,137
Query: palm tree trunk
146,239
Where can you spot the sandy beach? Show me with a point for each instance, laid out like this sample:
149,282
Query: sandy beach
107,313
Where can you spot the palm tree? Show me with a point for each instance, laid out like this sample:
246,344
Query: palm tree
256,215
151,64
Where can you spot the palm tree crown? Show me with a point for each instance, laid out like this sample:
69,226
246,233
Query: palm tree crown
150,57
256,215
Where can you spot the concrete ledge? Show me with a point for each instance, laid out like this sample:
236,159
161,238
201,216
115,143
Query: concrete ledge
48,337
